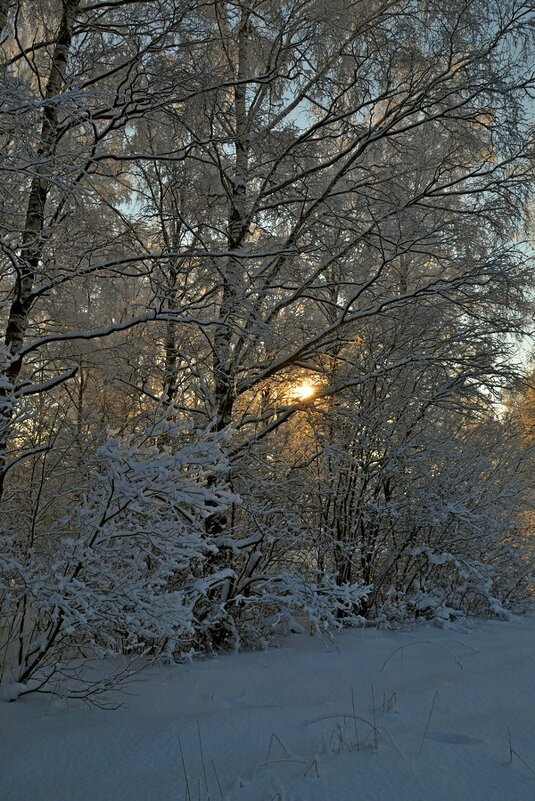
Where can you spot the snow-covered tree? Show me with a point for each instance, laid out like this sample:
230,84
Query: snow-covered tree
205,205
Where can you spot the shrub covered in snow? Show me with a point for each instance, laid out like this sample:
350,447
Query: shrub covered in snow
126,569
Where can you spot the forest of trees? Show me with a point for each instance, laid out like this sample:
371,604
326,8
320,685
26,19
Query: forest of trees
264,272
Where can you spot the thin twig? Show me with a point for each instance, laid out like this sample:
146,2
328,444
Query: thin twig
428,721
355,719
313,764
278,739
188,791
202,757
217,779
375,737
421,642
517,755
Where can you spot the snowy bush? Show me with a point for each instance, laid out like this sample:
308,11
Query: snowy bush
126,569
287,601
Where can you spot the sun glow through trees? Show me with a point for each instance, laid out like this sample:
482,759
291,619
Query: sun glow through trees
304,391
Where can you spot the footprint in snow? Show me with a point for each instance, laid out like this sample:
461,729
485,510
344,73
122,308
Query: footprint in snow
451,738
245,703
238,703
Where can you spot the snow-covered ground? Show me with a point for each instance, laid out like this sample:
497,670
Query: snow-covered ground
426,715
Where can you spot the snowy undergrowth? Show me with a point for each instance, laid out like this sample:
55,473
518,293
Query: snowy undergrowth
138,568
380,716
148,559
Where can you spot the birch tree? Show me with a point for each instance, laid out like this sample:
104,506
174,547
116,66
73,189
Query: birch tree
236,198
330,171
74,78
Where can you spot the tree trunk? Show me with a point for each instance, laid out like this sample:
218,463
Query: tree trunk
223,367
224,390
32,244
4,9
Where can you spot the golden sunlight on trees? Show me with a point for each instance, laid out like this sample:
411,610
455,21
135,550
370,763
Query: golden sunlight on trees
271,254
304,391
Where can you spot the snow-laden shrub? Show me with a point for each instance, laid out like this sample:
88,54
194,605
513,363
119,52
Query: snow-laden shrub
445,587
288,601
426,508
146,563
126,570
458,547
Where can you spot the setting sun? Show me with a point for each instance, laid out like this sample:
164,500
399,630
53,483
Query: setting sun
304,391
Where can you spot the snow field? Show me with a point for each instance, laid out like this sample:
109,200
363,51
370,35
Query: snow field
429,714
